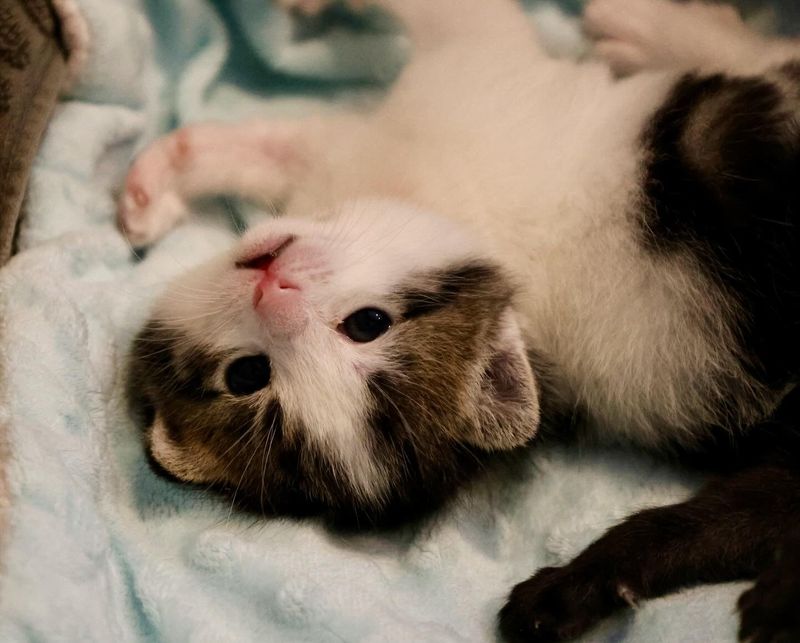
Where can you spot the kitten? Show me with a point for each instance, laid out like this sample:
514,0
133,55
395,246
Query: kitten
507,244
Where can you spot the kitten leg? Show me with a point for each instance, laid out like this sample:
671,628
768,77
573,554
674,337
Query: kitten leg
728,531
255,159
646,34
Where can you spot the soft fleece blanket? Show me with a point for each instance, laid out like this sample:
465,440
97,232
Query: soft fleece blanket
99,548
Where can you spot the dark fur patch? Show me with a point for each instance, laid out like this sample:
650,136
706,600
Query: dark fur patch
445,288
427,467
417,416
191,379
769,611
422,435
235,447
721,184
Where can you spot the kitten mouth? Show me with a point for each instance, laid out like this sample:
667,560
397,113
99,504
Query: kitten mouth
263,260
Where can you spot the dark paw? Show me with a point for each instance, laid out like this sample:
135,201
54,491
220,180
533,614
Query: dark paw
770,611
559,604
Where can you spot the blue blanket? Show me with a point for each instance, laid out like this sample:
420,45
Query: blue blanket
99,548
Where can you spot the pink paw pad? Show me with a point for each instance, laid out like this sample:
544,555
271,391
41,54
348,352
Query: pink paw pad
140,197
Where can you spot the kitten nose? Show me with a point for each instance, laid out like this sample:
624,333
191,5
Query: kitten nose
280,304
274,285
268,264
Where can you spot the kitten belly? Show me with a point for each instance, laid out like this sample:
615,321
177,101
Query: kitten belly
646,347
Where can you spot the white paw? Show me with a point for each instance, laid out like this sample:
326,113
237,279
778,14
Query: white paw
151,203
632,35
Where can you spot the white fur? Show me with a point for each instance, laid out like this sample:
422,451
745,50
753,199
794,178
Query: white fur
540,160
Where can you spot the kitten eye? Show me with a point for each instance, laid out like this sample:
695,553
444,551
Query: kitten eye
246,375
366,325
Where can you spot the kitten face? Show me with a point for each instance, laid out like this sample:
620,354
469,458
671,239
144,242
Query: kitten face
362,365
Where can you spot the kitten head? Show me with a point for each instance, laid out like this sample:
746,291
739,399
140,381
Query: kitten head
363,365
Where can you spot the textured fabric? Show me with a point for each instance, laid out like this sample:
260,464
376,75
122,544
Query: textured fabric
32,71
99,548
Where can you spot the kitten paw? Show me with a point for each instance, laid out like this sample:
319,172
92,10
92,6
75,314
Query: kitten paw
632,35
769,610
560,604
151,204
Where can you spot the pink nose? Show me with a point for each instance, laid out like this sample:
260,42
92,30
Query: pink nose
279,303
273,285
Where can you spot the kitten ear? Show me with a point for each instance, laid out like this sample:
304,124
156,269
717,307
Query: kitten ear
507,406
168,457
